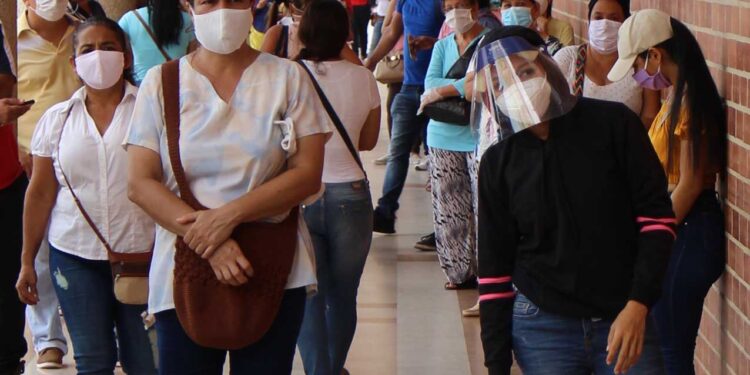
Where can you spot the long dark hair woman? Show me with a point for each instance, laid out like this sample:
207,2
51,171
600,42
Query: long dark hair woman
340,221
159,32
689,135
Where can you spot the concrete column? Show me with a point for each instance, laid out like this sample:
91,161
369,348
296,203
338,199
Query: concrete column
116,8
8,18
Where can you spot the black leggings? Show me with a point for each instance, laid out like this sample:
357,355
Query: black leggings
360,18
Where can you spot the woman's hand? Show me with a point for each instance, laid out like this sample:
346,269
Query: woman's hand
626,337
428,97
26,285
230,265
209,230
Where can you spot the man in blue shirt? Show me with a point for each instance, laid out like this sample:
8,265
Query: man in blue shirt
420,21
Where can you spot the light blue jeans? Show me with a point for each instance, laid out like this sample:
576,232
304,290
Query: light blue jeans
551,344
340,224
84,288
44,318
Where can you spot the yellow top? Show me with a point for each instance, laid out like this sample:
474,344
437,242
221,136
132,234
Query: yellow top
561,30
659,134
45,75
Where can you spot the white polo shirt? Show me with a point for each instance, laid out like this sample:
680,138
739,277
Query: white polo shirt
228,149
96,166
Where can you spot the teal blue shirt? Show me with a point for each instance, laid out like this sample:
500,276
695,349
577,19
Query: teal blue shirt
440,134
146,53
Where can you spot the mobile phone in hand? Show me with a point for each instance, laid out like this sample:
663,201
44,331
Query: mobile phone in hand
29,102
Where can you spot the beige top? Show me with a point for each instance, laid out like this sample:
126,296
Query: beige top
561,30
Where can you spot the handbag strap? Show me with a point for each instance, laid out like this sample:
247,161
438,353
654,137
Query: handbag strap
170,80
461,66
282,46
335,118
151,34
580,71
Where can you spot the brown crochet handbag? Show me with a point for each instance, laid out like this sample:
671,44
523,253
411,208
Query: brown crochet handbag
213,314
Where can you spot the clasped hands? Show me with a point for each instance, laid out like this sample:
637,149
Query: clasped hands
209,236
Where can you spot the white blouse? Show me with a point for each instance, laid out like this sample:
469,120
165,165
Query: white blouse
96,166
626,91
229,149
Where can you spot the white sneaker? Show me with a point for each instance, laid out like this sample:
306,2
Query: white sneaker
383,160
423,165
471,312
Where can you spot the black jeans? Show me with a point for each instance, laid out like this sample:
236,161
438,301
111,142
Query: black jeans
12,343
698,259
360,18
272,355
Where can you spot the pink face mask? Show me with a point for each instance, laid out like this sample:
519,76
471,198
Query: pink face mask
100,69
654,82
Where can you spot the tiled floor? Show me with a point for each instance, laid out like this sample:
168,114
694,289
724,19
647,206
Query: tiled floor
408,325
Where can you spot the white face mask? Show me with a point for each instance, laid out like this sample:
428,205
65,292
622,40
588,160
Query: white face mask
100,69
51,10
603,36
526,103
223,31
460,20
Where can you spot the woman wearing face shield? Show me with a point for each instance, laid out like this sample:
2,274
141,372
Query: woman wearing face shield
586,66
243,147
92,123
526,13
689,135
575,223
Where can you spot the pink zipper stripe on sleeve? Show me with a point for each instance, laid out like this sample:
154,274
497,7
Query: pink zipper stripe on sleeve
487,297
665,220
658,227
494,280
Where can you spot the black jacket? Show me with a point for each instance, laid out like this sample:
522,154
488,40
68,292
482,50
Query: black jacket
580,223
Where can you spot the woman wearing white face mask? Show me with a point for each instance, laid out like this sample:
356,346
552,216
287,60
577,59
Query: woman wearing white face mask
453,168
252,149
586,66
77,153
527,13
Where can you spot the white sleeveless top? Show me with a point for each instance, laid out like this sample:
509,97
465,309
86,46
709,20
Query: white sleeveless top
626,91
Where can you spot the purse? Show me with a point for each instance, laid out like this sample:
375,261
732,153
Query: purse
454,110
213,314
129,270
390,69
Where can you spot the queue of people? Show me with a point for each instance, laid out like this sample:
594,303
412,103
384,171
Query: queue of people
162,152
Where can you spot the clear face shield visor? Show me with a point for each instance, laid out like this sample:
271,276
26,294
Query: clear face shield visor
516,86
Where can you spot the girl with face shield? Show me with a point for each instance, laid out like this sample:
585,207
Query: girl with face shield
77,196
560,197
225,143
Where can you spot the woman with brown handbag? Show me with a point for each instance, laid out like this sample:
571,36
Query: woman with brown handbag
224,145
79,189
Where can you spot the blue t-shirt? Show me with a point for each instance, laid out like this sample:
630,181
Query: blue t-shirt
261,17
440,134
146,53
421,18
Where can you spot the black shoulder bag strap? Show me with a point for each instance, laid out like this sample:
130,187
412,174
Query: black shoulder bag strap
335,118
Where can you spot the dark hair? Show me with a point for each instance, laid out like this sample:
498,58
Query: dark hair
114,27
165,19
323,30
548,12
625,4
707,118
483,4
273,14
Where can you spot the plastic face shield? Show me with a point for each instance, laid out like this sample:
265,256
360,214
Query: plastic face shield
516,86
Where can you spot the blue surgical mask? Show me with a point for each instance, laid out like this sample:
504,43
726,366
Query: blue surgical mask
517,16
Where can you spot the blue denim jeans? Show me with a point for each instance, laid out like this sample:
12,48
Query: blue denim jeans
340,224
92,314
407,128
550,344
698,259
272,355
